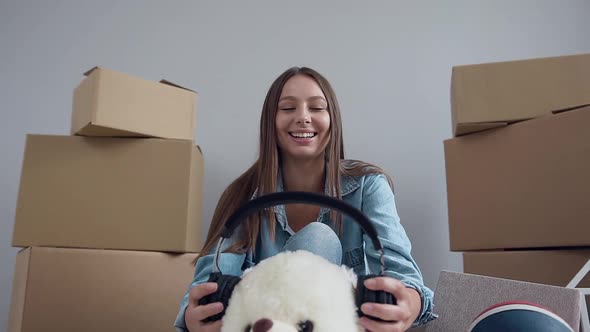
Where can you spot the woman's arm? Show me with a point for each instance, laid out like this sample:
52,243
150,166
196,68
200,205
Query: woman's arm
229,264
379,206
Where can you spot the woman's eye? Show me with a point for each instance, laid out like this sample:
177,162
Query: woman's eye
287,108
306,326
318,107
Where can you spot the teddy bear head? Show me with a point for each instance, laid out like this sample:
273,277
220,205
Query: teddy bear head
293,292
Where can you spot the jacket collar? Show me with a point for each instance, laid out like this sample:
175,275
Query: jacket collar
348,184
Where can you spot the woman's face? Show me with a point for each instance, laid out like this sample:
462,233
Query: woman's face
303,120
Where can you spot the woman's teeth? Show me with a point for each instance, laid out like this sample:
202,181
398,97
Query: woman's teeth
303,135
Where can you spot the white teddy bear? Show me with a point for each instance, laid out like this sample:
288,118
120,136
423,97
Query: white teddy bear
293,292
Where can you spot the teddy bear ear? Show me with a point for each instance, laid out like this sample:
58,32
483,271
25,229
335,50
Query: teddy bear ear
247,270
350,275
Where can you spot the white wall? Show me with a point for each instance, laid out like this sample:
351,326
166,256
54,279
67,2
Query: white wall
389,62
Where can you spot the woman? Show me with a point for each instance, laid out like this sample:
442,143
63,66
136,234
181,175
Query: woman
301,149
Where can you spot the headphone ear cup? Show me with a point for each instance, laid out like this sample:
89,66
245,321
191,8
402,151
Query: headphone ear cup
225,287
365,295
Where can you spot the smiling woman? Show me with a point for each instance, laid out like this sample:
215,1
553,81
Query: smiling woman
301,149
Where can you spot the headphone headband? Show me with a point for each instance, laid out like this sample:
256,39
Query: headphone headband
226,284
289,197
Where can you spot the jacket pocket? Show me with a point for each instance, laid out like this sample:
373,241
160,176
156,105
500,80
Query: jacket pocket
355,259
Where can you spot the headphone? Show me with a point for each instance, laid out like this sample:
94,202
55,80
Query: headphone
226,283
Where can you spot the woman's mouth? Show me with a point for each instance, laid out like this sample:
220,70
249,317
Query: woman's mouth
303,138
302,135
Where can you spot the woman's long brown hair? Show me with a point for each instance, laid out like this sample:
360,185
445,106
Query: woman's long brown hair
261,177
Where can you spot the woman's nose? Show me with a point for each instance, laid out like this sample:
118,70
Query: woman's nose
303,115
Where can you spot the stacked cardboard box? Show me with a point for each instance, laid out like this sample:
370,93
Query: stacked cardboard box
518,180
109,216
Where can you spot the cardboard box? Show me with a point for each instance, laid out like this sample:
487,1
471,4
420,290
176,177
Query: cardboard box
110,193
490,95
550,267
57,289
521,186
460,297
110,103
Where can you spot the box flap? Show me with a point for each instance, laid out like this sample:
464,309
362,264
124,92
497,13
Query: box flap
19,290
471,128
163,81
96,130
467,128
569,109
89,71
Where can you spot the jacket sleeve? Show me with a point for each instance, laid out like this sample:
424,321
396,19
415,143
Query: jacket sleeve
229,264
378,204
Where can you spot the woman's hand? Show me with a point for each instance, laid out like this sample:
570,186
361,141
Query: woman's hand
399,317
195,313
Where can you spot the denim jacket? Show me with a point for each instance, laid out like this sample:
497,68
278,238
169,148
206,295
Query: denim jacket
373,196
